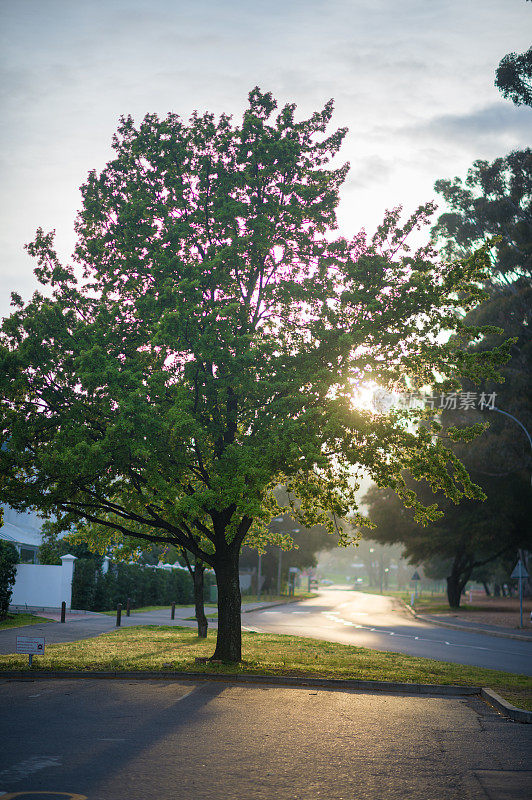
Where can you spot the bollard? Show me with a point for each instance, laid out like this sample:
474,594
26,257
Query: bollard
119,615
63,611
128,607
172,615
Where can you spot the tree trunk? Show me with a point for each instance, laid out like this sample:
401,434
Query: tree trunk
229,641
456,581
201,619
486,588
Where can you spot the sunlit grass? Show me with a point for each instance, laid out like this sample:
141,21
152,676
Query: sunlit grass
161,648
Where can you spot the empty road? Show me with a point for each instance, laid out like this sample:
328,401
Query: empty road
377,622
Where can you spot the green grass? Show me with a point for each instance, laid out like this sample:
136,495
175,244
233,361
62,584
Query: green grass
18,620
163,648
152,608
209,616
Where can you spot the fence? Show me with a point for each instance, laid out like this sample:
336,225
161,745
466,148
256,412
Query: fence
40,586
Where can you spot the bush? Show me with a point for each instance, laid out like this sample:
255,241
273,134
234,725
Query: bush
8,573
93,590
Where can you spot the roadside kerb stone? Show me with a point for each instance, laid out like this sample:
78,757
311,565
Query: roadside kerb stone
467,628
279,680
494,699
439,690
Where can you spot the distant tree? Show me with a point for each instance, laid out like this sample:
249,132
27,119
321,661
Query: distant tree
8,573
470,535
301,549
209,350
514,77
494,200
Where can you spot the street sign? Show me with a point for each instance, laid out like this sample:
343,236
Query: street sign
30,645
415,576
519,570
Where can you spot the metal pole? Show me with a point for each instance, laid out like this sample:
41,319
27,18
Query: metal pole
279,572
259,576
119,615
63,611
172,615
521,597
506,414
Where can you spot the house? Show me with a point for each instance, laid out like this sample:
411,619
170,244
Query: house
23,529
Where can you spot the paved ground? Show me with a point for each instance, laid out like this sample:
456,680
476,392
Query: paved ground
378,623
162,740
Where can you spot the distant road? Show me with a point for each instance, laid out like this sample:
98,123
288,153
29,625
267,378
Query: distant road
368,620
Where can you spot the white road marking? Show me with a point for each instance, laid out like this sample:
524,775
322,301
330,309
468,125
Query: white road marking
25,768
34,695
111,740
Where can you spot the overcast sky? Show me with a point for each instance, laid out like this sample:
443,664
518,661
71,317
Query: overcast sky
412,80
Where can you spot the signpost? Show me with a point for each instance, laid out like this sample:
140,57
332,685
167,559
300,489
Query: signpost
32,645
415,577
520,572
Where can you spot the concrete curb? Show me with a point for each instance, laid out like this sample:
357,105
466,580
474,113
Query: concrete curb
494,699
486,631
445,690
439,690
274,605
468,629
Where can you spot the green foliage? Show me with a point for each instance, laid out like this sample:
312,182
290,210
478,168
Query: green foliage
513,78
8,573
209,351
494,200
145,586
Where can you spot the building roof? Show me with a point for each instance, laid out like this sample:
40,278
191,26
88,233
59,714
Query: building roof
21,527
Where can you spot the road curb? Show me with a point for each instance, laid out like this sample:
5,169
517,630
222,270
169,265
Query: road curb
486,631
439,690
274,605
494,699
280,680
458,627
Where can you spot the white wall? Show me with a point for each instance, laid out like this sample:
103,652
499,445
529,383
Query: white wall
45,586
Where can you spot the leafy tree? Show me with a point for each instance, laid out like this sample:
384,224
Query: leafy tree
513,78
306,544
208,351
494,200
468,536
8,573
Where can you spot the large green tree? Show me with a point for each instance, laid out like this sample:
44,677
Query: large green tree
207,351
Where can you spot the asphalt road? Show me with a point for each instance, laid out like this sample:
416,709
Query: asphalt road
369,620
165,740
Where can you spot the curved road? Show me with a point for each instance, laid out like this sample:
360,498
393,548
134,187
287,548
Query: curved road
374,621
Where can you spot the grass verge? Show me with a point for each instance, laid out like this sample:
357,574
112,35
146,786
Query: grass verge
152,608
161,648
18,620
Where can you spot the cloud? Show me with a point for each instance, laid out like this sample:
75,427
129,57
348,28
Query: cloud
494,124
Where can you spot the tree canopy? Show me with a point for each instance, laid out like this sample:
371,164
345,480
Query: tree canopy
514,77
204,346
494,200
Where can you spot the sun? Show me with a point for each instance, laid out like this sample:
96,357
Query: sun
363,395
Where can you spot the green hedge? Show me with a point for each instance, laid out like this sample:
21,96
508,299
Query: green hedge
145,586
